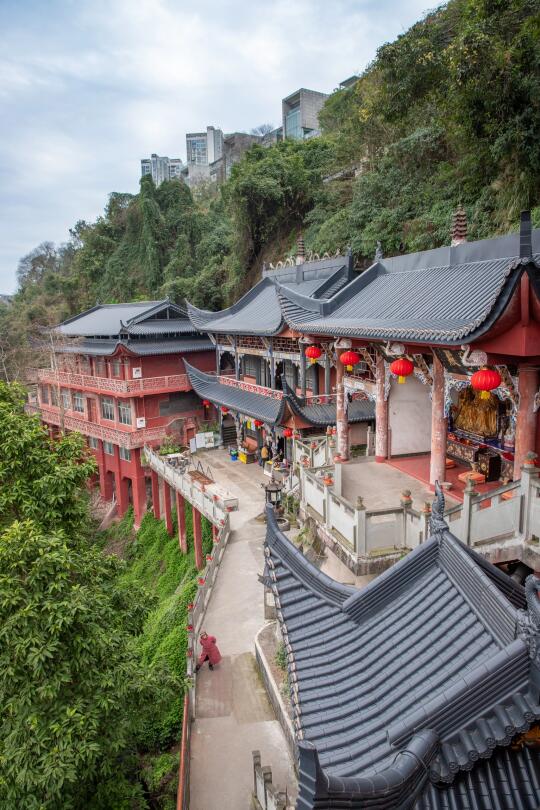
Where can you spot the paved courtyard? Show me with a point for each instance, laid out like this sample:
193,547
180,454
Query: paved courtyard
381,485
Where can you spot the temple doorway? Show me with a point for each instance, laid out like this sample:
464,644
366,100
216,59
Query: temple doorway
409,418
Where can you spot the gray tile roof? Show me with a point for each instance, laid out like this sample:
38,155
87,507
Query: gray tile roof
401,688
258,311
359,410
112,320
447,295
258,406
140,348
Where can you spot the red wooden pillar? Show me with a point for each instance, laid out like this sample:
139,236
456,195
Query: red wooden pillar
181,516
215,533
197,538
167,507
342,423
155,494
381,413
102,474
437,467
526,417
120,484
139,490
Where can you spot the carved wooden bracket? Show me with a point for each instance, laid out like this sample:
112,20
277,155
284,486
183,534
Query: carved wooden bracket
508,384
369,361
425,375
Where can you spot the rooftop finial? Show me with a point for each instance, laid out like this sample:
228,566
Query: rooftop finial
459,226
378,252
300,249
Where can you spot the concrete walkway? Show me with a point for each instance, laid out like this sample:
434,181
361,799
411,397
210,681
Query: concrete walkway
232,714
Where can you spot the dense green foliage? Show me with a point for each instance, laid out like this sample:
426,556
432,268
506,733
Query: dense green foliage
40,480
449,113
92,648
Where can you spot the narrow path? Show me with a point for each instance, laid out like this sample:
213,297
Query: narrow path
232,714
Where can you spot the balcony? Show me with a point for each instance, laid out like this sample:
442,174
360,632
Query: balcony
87,382
225,379
130,439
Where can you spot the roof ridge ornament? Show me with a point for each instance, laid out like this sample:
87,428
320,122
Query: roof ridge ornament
437,523
459,226
528,621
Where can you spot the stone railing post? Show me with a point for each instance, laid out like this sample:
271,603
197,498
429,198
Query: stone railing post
468,494
529,473
406,503
361,534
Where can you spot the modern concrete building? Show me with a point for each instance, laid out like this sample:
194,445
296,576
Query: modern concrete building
235,145
161,168
202,149
300,113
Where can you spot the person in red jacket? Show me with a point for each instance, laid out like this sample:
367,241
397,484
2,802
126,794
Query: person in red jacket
209,652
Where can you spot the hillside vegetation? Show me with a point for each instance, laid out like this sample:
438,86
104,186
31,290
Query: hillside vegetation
449,113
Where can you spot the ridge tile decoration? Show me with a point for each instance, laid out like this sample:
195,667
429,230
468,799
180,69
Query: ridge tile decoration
410,692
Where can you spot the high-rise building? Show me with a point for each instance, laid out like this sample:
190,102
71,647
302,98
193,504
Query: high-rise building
161,168
300,112
202,149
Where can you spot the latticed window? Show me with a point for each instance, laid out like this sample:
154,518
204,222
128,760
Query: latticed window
125,454
66,399
124,413
108,447
250,365
45,394
99,365
250,342
84,361
286,344
54,396
78,402
93,443
107,408
116,367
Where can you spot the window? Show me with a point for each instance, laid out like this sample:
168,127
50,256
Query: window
93,443
251,364
85,364
78,402
66,399
54,396
108,448
45,394
125,454
99,365
116,366
124,413
107,408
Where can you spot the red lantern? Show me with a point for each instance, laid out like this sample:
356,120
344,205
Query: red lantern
287,432
349,359
224,409
206,403
313,352
402,368
485,381
258,423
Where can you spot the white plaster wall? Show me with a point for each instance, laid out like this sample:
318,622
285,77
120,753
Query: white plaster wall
409,417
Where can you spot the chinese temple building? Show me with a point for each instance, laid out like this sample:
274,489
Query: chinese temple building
421,690
460,327
118,377
271,380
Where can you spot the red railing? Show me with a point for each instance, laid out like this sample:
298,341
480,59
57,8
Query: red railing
253,387
182,799
174,382
128,439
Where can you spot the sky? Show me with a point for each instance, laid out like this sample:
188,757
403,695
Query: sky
89,87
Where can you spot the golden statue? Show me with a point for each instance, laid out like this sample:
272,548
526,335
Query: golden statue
475,414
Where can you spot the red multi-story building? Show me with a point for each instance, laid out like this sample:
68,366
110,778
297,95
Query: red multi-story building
117,376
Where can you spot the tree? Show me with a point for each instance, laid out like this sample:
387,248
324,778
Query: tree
73,689
262,129
40,480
